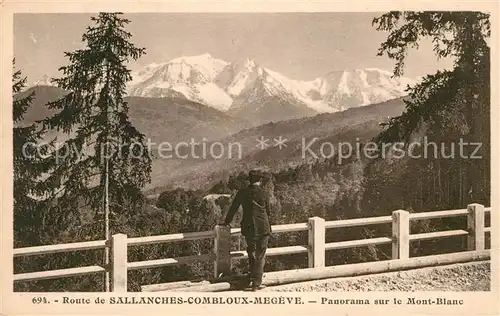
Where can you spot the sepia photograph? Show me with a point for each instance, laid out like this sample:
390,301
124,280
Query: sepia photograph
237,152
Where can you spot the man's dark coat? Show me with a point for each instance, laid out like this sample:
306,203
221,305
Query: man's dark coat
256,211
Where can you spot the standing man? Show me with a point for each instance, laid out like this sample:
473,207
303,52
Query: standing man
255,225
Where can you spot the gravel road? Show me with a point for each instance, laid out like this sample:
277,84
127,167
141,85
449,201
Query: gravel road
473,276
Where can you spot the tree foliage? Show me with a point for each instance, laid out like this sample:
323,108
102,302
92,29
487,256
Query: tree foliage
30,164
456,99
94,115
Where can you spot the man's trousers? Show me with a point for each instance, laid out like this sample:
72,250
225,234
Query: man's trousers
256,249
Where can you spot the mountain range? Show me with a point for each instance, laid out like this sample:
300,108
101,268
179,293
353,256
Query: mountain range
259,95
247,90
202,97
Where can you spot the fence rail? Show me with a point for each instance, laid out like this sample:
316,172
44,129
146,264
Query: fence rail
223,256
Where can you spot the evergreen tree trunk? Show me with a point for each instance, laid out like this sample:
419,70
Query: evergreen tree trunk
106,222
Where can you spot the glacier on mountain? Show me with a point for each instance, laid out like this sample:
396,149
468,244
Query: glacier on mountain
227,86
43,81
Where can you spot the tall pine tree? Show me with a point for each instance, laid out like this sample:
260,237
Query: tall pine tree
29,165
104,163
456,99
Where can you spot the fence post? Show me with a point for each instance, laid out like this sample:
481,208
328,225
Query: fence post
475,227
400,234
119,263
316,244
222,250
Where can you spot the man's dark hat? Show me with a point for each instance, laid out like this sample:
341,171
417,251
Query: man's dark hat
255,173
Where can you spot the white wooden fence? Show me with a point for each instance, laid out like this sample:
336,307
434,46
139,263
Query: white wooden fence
223,256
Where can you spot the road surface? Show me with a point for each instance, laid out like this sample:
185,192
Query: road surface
474,276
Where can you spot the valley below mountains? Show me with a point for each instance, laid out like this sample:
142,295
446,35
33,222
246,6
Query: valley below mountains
173,120
206,99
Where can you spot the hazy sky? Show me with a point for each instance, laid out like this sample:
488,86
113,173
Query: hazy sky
298,45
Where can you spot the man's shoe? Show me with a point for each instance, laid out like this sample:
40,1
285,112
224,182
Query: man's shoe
258,287
249,280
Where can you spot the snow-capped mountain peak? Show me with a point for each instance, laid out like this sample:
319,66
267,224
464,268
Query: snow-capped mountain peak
190,76
229,86
238,75
244,63
205,63
43,81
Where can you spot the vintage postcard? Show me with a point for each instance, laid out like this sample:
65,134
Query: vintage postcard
192,158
